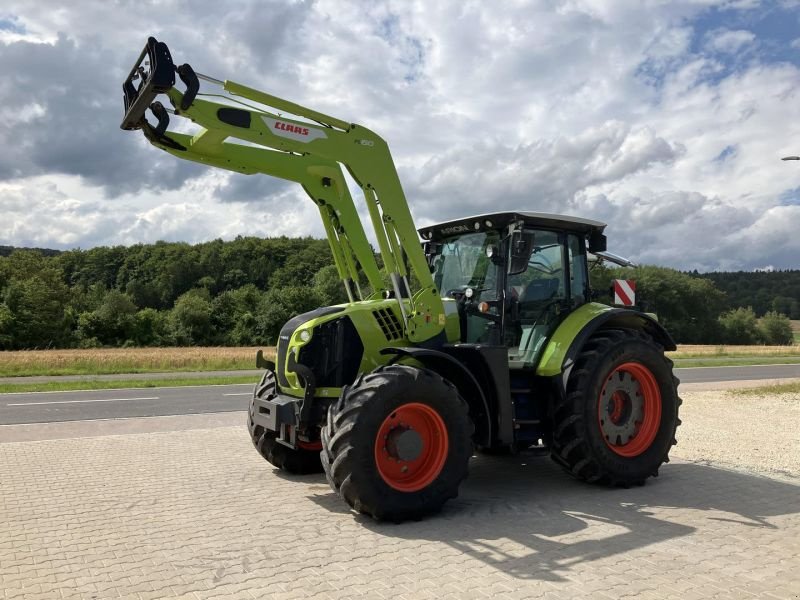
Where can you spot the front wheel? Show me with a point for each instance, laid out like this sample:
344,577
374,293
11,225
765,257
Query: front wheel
617,421
397,443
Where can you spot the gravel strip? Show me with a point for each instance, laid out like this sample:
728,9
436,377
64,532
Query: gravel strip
750,432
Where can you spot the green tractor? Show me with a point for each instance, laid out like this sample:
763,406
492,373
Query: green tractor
485,335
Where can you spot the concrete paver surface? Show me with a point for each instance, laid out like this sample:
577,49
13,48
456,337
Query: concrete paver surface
196,513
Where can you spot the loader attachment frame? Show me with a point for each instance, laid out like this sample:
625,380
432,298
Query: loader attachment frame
155,73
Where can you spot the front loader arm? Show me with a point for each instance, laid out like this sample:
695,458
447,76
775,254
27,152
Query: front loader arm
312,152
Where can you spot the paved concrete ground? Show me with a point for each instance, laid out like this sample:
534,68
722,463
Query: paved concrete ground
196,513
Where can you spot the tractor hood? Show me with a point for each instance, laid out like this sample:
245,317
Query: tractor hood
329,346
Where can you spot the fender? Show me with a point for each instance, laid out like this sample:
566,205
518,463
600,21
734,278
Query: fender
441,363
569,338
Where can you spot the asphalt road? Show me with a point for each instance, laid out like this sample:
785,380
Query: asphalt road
254,373
711,374
46,407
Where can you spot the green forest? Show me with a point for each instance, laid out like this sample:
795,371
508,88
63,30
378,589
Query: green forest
764,291
217,293
240,292
698,309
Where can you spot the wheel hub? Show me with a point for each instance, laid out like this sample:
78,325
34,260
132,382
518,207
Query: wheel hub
403,443
622,399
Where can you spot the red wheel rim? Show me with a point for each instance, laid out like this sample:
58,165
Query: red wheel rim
311,446
629,409
411,447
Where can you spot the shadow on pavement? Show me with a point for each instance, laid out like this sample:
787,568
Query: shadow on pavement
554,522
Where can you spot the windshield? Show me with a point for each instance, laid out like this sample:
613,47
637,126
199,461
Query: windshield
463,263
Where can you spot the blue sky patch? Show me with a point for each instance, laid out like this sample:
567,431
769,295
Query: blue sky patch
775,28
413,55
790,197
11,24
726,153
775,31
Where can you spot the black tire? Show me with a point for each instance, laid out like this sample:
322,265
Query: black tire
297,462
580,442
354,421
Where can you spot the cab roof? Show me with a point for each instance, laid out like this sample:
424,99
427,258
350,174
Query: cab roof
502,220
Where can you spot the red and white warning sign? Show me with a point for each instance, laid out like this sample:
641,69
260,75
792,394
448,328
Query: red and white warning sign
624,292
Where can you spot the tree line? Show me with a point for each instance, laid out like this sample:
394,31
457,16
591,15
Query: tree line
696,311
763,291
217,293
241,292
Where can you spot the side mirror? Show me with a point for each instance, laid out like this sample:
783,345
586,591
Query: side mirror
521,250
597,242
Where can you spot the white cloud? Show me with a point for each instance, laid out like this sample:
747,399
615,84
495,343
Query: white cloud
608,109
544,175
725,40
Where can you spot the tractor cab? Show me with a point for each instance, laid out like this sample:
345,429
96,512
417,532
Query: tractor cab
511,278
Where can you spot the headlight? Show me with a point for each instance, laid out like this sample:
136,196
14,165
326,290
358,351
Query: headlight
304,335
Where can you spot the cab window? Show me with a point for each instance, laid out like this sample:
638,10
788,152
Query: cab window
543,280
578,279
538,293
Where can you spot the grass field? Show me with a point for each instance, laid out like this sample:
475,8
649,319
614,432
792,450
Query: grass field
770,390
126,360
687,356
697,351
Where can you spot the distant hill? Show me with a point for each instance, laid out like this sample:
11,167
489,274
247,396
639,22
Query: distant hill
762,290
7,250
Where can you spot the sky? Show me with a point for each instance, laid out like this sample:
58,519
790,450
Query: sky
665,119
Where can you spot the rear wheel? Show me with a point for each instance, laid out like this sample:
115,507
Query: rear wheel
618,419
397,443
300,461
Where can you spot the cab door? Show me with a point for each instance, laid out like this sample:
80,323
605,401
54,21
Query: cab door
538,296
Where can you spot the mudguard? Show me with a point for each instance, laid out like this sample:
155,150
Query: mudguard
454,371
569,338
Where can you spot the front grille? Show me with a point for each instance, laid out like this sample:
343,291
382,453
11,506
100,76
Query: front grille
334,353
286,333
389,324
